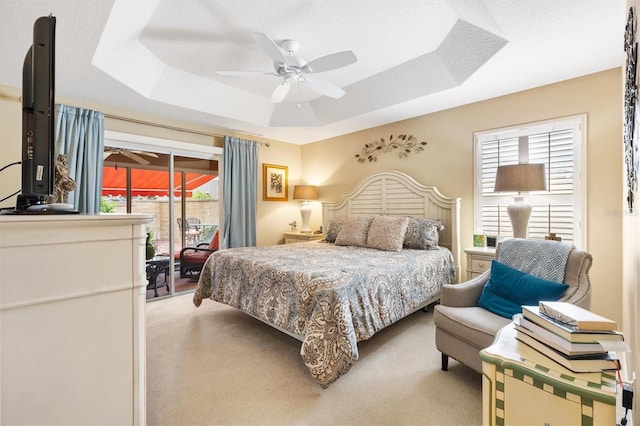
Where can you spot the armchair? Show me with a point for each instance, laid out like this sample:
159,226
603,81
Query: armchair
464,329
192,258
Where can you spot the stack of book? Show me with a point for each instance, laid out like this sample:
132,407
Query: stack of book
572,336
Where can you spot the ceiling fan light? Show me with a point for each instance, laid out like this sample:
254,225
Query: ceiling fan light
290,46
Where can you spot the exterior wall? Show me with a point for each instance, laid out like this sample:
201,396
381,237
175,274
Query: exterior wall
205,210
447,162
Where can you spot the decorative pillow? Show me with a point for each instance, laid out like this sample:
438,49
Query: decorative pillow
508,289
333,229
354,232
387,233
202,255
215,241
422,234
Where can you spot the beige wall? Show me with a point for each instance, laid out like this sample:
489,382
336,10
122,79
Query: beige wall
631,269
10,149
274,216
447,161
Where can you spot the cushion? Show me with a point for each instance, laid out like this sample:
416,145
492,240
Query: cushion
215,241
333,228
354,232
422,234
214,244
508,289
194,256
387,233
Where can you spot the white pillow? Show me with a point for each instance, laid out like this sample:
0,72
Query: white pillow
354,232
387,233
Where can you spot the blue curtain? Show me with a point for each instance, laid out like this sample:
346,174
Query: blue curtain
79,135
240,182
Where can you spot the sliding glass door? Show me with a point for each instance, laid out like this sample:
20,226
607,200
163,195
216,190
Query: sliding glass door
184,217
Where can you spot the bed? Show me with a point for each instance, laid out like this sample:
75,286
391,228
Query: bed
334,293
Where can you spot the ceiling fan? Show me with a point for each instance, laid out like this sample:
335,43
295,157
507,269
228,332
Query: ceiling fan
134,155
294,69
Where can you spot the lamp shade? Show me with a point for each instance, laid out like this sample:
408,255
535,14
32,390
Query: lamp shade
520,177
305,192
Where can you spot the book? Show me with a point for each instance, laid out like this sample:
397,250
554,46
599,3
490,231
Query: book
577,364
558,343
479,240
576,316
567,332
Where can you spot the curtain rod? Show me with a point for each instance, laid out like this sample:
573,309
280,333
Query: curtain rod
178,129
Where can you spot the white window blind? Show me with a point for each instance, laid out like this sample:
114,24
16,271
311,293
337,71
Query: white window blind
560,146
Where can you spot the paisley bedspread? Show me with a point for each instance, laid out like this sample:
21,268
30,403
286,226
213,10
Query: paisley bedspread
332,296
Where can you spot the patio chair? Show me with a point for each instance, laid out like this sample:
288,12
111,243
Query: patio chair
192,258
191,230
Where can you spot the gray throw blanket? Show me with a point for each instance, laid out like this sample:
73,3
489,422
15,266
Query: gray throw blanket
541,258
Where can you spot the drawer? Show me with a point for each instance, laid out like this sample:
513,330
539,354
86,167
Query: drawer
480,265
294,237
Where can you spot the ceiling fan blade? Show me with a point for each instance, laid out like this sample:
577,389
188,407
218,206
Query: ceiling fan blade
332,62
280,92
324,88
245,73
135,157
269,47
148,154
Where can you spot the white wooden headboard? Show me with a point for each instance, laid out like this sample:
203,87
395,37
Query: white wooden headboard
395,193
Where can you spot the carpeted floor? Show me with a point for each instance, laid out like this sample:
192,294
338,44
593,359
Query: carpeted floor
216,365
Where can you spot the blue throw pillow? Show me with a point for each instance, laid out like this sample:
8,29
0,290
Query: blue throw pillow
508,289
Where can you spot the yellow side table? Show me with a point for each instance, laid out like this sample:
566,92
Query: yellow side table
522,386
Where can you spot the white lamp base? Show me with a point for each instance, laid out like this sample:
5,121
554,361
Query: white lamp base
305,212
519,213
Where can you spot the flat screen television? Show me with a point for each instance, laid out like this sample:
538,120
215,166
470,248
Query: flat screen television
38,103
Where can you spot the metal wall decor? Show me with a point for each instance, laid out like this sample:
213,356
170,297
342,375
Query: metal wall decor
405,144
631,154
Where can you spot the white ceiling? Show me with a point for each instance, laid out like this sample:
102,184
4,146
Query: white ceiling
414,56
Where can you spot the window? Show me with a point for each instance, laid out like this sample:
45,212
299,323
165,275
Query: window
561,146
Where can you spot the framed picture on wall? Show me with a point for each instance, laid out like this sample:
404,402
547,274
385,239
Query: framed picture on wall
275,182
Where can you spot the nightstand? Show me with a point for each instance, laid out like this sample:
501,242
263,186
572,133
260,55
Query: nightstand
299,237
479,260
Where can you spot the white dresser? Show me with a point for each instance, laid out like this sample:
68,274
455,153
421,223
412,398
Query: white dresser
72,306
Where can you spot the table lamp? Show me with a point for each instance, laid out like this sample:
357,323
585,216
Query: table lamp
305,193
520,178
